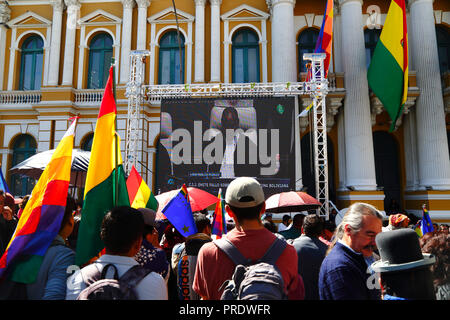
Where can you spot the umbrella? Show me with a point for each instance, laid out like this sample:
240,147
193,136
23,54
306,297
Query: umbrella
291,201
35,165
198,198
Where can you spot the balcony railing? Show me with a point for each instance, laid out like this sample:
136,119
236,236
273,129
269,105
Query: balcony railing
20,97
88,96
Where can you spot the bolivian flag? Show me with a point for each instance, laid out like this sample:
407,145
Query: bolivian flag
139,193
388,70
103,172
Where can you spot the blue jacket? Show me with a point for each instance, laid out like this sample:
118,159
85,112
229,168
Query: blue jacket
51,281
343,276
310,252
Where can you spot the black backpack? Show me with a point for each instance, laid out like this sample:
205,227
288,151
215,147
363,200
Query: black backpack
260,280
101,288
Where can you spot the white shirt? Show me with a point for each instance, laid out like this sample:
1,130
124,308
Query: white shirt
227,168
282,226
152,287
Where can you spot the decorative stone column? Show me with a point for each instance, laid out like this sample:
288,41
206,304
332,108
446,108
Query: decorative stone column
360,160
284,64
215,40
55,43
341,152
142,24
199,75
410,145
127,21
433,157
5,15
73,9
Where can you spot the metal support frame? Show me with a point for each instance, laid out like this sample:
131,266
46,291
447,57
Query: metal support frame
135,94
318,92
317,88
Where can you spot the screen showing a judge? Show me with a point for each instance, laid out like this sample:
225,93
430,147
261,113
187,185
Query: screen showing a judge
213,141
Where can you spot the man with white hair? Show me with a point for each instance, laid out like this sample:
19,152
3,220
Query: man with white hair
345,270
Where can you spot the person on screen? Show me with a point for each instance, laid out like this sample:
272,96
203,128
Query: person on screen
231,165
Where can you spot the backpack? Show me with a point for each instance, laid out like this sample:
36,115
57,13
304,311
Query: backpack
186,268
260,280
101,288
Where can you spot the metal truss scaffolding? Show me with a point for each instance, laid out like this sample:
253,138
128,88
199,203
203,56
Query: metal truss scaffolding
135,92
316,88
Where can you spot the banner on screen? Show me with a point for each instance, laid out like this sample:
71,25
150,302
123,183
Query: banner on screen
206,143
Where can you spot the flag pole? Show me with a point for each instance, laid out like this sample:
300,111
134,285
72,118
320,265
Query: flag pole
116,157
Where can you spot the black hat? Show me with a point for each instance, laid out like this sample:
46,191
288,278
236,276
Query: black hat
400,250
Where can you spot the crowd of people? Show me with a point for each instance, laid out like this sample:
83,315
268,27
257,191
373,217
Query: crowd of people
365,257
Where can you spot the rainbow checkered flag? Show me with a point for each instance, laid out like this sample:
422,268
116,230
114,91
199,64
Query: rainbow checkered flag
179,213
41,219
219,225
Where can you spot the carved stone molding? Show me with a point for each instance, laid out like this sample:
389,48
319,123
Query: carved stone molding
200,3
5,12
333,105
376,108
128,4
143,3
58,5
342,2
72,3
410,102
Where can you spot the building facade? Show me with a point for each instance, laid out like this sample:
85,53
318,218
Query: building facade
54,57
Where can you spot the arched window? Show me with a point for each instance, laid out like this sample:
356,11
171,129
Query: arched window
100,54
31,63
87,142
245,56
307,40
171,67
443,42
23,148
371,37
387,169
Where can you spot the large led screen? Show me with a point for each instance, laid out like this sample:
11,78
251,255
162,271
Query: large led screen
206,143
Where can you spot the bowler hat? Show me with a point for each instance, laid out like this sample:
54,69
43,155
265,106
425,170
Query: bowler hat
400,250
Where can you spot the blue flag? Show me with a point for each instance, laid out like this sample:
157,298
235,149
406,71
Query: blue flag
3,184
426,224
179,213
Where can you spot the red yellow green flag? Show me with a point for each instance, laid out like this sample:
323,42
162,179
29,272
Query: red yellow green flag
388,70
139,193
103,172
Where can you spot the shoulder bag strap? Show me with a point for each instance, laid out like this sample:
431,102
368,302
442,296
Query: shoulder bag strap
231,251
275,250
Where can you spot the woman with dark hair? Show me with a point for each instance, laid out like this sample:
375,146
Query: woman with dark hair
438,244
404,269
